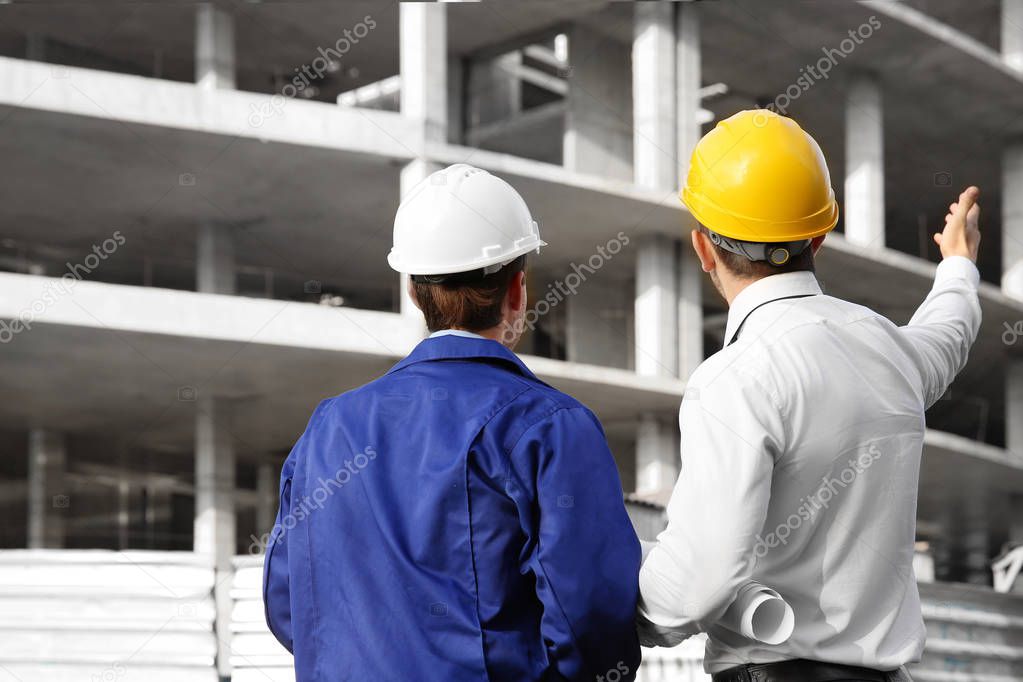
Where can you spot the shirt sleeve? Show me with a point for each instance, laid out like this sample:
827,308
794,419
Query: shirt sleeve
944,327
583,550
276,575
731,432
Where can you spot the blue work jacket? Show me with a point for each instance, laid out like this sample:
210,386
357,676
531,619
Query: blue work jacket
456,519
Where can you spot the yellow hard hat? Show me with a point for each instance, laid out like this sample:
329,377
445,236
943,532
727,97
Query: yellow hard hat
759,177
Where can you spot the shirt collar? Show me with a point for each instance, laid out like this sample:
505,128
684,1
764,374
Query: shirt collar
455,332
765,290
467,346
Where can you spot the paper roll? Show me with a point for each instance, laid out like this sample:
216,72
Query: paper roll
759,613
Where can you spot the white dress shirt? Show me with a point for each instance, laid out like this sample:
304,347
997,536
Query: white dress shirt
801,446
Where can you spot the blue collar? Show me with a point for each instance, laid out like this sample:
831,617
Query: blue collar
458,347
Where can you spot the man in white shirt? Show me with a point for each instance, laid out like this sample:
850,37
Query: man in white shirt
802,437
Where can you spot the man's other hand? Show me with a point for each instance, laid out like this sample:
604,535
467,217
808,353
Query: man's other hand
961,236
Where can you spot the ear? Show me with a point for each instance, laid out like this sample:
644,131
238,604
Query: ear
816,242
704,249
516,297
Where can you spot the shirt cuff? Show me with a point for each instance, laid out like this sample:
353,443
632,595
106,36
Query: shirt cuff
957,267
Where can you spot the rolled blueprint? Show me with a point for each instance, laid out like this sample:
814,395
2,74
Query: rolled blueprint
759,613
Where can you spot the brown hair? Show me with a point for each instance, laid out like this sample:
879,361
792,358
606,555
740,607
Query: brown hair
472,305
743,267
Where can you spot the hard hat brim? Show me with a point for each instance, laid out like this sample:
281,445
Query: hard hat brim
411,267
747,229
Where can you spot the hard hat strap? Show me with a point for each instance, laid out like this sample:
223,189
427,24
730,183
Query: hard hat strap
773,253
469,277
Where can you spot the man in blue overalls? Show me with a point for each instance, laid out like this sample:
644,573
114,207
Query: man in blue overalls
456,519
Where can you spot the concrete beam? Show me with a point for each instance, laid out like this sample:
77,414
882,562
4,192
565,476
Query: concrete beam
864,162
214,529
214,48
424,65
215,268
1012,33
598,120
47,496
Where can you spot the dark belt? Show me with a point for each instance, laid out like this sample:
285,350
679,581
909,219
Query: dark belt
803,670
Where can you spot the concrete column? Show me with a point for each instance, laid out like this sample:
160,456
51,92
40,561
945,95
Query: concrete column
214,534
424,96
688,73
215,270
598,120
864,162
1012,33
668,318
657,455
690,310
214,48
653,96
657,353
411,175
123,513
47,495
1012,219
1014,408
267,498
656,307
424,64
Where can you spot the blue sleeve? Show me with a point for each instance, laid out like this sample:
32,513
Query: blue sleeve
276,580
584,551
276,573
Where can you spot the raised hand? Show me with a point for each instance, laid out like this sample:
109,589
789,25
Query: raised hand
961,236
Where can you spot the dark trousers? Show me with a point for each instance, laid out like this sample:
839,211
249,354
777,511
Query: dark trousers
802,670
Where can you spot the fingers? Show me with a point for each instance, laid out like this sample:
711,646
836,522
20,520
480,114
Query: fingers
967,200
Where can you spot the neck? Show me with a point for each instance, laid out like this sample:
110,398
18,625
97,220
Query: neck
730,287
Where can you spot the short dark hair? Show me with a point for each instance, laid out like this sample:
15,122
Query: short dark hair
743,267
472,306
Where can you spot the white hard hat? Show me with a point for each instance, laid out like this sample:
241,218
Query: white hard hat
461,219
